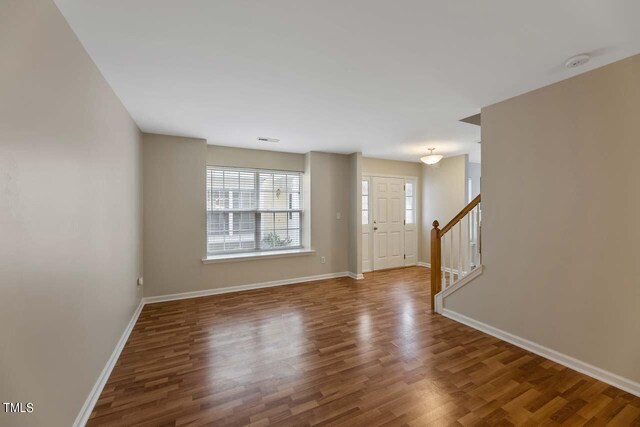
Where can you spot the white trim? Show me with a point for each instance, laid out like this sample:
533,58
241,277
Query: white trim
387,175
440,296
423,264
610,378
245,256
356,276
87,408
217,291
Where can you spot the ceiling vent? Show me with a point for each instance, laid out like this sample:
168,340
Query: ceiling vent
263,139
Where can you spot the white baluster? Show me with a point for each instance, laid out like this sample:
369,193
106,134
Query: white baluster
479,233
472,230
473,236
471,240
451,259
442,262
477,240
460,250
467,246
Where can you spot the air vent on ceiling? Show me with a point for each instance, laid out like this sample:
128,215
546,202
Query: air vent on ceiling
263,139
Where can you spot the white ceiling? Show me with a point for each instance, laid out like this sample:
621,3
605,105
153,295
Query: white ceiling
388,78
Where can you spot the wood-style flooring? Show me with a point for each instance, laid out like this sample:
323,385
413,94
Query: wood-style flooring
339,352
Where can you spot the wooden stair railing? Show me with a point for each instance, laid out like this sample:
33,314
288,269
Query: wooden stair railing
469,252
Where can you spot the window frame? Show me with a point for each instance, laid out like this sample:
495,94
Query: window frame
412,183
366,208
256,210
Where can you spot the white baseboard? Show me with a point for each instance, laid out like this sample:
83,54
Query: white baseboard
87,408
610,378
217,291
356,276
423,264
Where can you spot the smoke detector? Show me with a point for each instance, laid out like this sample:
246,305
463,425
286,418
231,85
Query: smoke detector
576,61
264,139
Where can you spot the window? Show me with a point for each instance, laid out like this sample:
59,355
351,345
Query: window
409,216
365,201
252,210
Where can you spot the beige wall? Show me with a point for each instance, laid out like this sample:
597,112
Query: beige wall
256,159
443,196
355,217
382,167
372,166
70,216
174,212
561,210
175,221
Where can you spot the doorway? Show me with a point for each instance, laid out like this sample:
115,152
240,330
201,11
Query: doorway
389,231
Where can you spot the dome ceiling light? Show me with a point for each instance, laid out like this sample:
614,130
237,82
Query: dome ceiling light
431,159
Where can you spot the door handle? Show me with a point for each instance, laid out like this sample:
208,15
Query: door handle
375,228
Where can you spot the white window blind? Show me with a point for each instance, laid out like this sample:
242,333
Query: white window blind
253,210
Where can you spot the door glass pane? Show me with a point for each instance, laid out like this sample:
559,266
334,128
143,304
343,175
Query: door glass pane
409,216
365,209
409,203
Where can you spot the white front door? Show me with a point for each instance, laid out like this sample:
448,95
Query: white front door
388,222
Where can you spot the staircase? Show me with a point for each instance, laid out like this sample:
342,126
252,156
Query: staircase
456,253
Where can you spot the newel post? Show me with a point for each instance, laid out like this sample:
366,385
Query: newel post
435,263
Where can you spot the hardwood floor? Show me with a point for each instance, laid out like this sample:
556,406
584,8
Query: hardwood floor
339,352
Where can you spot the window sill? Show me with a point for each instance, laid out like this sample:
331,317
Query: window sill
256,255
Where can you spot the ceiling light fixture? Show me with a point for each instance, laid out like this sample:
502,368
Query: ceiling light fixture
431,159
